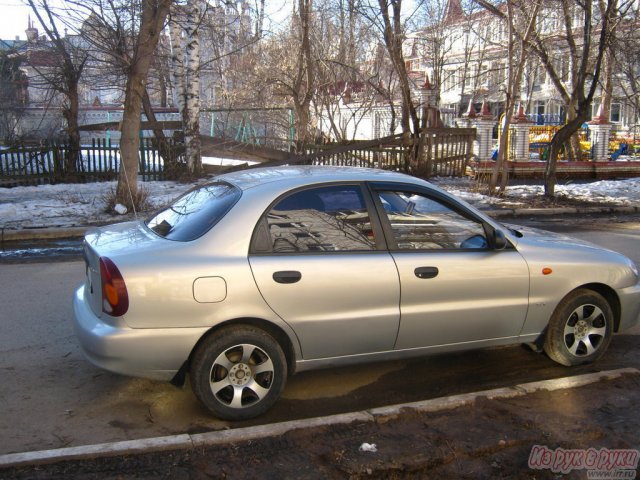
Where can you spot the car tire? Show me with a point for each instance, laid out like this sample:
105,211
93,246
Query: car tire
580,329
238,372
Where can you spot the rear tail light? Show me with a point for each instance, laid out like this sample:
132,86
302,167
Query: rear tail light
115,299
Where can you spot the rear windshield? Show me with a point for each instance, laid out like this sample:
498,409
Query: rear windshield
194,213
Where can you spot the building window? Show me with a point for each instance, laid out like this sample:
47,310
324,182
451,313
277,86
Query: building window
540,75
615,114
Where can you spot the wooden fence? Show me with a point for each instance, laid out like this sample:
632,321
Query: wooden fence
49,163
444,152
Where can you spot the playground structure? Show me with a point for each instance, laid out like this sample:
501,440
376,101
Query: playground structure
620,144
603,153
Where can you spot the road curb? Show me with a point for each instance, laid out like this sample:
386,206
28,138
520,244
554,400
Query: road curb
10,235
186,441
46,233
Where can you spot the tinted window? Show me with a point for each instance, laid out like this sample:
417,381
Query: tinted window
194,213
422,223
321,220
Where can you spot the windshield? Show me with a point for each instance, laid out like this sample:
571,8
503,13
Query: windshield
194,213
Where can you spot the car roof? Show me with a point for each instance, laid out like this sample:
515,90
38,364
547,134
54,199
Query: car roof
300,175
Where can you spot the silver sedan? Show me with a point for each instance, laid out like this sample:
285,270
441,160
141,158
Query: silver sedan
267,272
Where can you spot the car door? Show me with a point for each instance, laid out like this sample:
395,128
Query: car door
321,264
455,287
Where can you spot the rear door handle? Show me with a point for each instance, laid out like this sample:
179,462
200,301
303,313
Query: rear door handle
426,272
287,276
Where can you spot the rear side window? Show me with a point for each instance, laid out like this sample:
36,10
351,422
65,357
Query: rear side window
195,213
325,219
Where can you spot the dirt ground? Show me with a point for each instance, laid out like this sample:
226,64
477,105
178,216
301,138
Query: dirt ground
489,439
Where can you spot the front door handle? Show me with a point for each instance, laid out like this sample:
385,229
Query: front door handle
426,272
287,276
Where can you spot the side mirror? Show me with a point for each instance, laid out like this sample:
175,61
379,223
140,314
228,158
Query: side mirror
495,238
499,240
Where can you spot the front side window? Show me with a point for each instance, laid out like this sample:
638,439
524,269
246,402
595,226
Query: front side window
325,219
195,212
422,223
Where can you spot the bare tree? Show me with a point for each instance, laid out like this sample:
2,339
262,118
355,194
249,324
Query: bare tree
382,78
394,35
626,58
622,63
585,41
304,79
13,95
288,67
152,19
64,77
521,23
435,41
578,96
109,29
348,87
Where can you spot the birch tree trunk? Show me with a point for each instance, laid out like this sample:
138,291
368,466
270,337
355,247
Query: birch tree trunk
64,77
184,29
177,56
195,10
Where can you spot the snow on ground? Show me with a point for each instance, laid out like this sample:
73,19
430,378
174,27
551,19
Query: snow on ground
614,192
66,205
69,205
225,161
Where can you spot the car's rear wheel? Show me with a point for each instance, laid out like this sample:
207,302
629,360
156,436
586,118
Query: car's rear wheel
238,372
580,329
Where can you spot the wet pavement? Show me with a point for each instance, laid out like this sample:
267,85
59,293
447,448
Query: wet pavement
45,250
525,436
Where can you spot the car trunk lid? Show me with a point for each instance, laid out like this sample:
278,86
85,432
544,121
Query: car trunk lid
110,241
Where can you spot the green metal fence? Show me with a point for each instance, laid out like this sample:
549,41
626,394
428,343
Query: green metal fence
56,161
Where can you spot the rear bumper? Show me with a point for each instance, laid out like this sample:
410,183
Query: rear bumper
630,307
139,352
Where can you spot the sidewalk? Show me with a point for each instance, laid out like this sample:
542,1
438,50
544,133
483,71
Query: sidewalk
483,435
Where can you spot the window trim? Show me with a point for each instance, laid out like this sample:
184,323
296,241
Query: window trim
259,232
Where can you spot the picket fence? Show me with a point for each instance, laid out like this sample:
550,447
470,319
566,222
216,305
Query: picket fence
48,163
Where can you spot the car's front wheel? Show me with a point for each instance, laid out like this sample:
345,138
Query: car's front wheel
238,372
580,329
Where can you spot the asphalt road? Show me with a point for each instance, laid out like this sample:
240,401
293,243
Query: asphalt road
50,397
